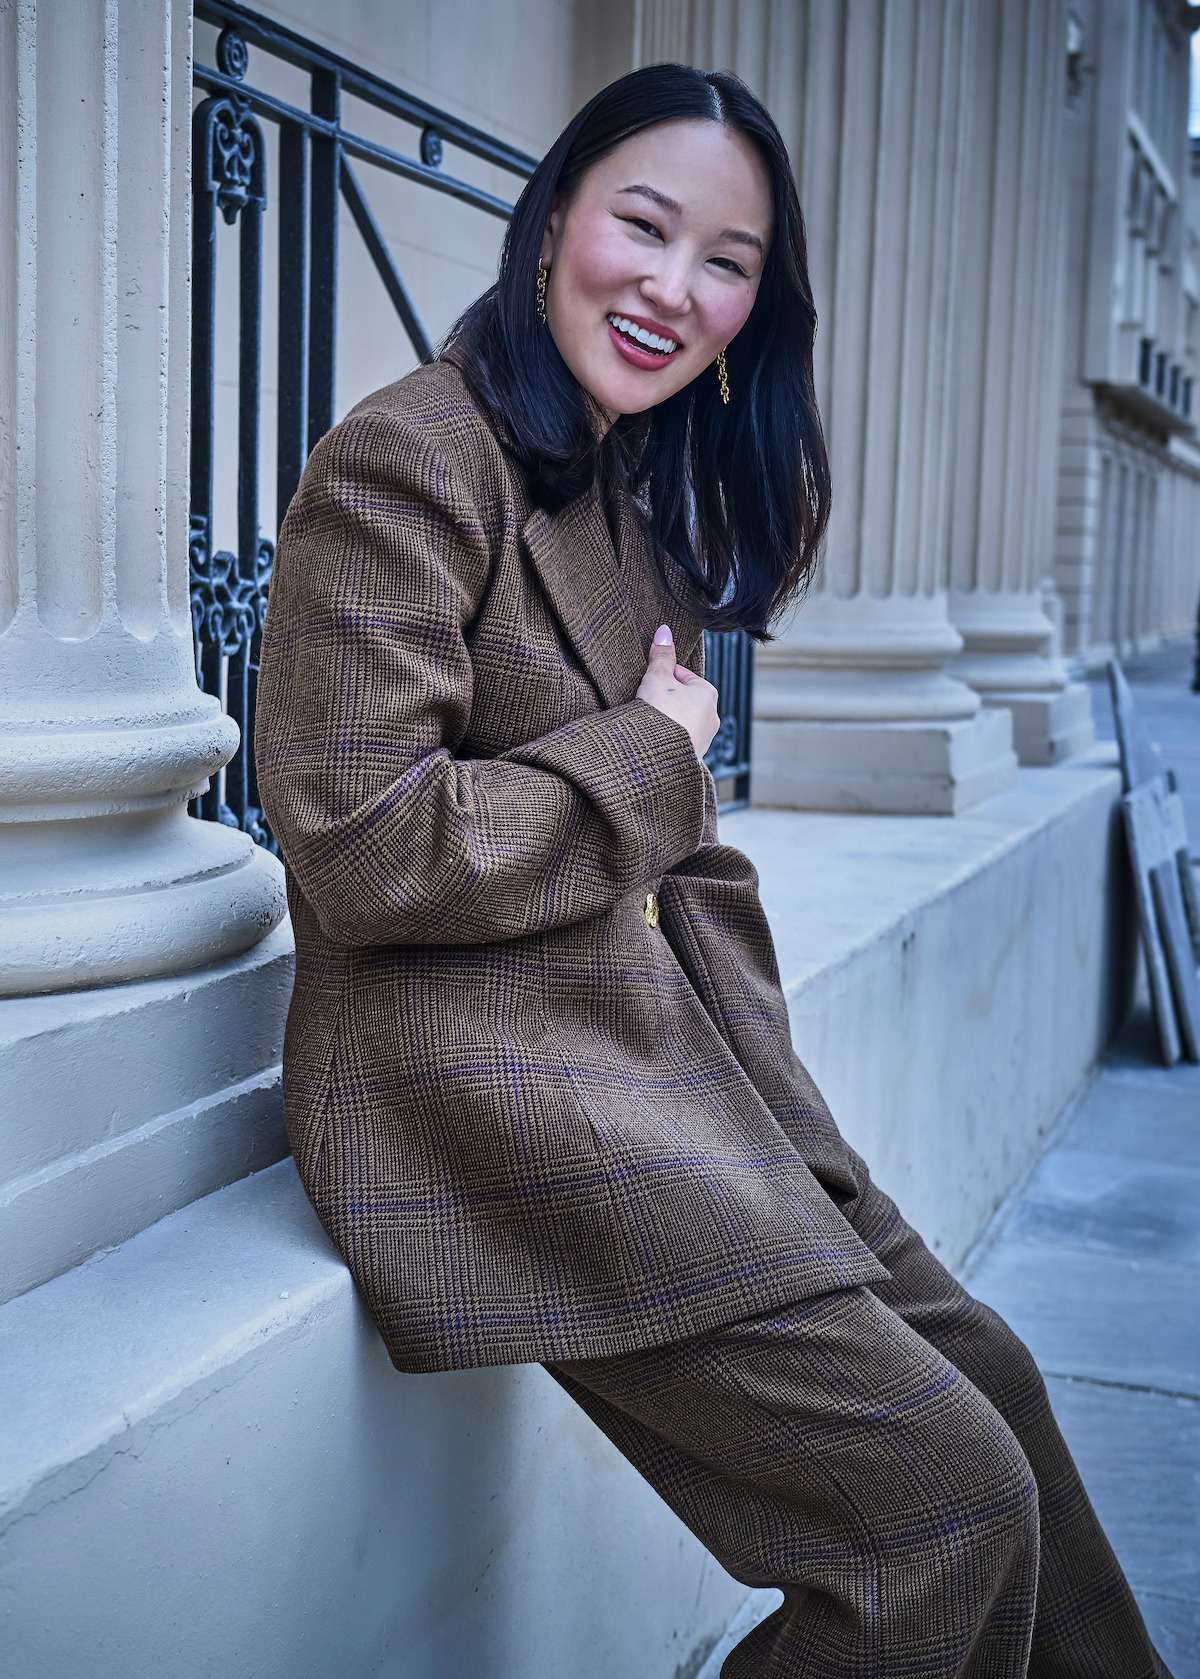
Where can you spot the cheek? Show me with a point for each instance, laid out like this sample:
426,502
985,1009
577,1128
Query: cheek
598,258
725,315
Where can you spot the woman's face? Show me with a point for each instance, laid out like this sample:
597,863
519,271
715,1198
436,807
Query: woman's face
665,236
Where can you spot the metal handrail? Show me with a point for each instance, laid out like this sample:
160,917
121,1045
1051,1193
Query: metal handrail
396,163
281,42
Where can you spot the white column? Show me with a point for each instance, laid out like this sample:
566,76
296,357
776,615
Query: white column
854,707
104,735
1009,376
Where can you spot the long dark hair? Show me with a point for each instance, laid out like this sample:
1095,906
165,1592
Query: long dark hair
738,494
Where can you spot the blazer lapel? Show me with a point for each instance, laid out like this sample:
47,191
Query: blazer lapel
645,584
574,556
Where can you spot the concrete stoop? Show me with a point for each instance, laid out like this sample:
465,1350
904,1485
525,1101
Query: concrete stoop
121,1104
950,983
208,1467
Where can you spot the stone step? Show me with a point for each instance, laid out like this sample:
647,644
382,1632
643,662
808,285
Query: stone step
124,1103
209,1467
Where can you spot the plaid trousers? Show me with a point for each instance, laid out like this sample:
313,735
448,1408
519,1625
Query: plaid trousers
887,1456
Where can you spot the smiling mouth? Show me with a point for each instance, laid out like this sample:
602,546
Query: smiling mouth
651,343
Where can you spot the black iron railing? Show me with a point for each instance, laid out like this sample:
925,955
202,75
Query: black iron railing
229,176
729,666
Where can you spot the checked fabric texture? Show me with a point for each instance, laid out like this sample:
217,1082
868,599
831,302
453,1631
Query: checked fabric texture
535,1126
887,1456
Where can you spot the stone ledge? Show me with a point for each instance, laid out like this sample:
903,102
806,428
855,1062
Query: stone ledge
209,1466
53,1218
124,1103
951,981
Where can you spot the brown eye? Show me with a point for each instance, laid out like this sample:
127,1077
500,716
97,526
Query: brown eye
642,226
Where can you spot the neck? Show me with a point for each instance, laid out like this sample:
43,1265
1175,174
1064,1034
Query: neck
602,418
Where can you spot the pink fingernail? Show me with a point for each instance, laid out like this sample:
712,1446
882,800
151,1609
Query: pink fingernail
662,635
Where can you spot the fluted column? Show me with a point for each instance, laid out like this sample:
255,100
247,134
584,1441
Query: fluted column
1010,359
855,708
104,734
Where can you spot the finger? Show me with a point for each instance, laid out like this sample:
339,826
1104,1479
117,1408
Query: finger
662,649
688,677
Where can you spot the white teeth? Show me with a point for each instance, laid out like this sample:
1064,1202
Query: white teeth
640,335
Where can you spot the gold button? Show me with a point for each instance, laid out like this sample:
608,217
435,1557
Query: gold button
651,910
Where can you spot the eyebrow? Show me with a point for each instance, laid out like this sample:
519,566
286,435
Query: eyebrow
736,235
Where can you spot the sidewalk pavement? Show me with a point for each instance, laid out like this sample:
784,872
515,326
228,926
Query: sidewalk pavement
1095,1261
1096,1265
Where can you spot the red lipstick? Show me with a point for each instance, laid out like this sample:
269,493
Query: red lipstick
638,355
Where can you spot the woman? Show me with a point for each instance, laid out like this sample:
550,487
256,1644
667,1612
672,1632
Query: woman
539,1077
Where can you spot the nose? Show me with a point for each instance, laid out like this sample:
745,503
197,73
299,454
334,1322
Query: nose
667,287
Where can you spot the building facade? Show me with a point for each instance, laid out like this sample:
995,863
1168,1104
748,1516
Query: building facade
1005,250
1129,467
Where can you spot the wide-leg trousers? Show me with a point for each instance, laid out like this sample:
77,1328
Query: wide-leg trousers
888,1457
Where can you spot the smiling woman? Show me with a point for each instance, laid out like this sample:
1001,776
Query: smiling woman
656,268
539,1078
685,226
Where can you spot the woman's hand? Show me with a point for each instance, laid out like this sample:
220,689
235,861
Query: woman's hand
679,692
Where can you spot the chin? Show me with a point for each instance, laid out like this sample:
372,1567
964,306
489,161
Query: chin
622,391
635,399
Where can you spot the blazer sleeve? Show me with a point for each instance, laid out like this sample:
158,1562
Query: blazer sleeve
365,686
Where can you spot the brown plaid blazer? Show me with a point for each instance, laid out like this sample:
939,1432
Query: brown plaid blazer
536,1126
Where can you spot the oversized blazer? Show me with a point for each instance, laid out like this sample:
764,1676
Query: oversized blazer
537,1126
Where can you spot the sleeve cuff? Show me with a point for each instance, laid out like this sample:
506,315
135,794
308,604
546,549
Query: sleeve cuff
639,769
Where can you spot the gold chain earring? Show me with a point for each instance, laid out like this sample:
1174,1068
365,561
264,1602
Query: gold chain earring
723,377
541,292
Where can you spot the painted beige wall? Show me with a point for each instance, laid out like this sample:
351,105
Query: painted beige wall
517,68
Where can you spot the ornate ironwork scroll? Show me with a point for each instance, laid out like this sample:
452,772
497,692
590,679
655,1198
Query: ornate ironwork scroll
228,590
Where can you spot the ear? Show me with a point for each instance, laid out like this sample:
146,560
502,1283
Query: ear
553,232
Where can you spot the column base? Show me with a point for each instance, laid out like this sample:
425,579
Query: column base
107,900
1047,728
126,1103
904,769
